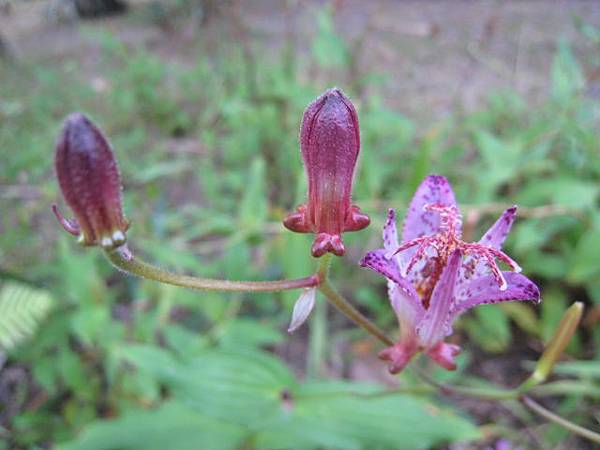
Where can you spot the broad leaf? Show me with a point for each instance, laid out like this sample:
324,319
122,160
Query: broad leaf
172,426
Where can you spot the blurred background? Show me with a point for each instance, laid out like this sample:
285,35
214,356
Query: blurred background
202,101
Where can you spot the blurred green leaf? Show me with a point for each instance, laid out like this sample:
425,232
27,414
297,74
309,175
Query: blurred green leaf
329,49
253,207
21,309
585,263
581,369
255,390
570,192
240,333
501,159
567,77
523,315
171,426
491,329
344,415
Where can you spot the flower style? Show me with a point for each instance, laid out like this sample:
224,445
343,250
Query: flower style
330,143
90,183
434,276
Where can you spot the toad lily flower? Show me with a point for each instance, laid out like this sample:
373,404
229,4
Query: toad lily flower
90,183
330,142
434,276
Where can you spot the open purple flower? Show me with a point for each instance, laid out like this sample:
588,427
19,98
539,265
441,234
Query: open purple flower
434,276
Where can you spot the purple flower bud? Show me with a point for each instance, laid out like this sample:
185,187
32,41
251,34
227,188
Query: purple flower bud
330,142
90,183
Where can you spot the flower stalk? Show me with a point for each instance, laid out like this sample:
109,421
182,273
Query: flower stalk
555,418
123,260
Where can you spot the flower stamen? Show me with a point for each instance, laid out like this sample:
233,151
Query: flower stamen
448,239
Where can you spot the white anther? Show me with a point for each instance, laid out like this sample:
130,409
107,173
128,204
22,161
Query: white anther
118,236
106,242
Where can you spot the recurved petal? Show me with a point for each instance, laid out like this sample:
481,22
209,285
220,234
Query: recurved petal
398,355
435,189
435,324
377,261
485,290
390,233
496,235
391,244
443,354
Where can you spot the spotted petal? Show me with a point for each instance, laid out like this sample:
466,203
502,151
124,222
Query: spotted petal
380,263
496,235
390,233
391,244
435,189
435,325
485,290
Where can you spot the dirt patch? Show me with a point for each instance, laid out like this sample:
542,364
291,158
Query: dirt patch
435,56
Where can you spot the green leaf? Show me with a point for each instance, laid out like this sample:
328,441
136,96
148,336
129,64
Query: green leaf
329,49
242,388
523,315
585,263
240,333
253,207
501,159
343,415
172,426
255,390
491,329
581,369
154,360
21,310
567,76
570,192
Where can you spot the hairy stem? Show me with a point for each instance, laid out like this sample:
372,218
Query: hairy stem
552,417
317,341
123,260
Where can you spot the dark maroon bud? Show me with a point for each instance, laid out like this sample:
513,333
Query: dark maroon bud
330,143
90,183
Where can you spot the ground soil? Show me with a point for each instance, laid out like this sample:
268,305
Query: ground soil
436,55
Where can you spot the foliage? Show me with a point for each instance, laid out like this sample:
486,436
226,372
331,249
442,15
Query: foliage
209,155
21,309
229,397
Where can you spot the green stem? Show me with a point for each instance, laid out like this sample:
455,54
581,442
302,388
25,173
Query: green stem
552,417
564,387
467,391
317,340
344,306
122,259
